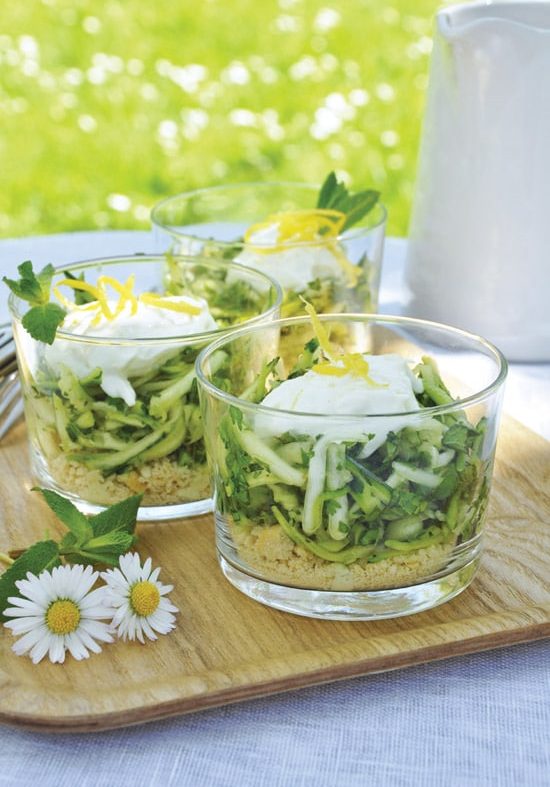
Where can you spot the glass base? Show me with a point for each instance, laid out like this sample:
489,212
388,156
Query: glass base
353,605
152,513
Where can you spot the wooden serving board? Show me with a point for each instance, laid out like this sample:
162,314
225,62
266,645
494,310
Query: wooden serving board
227,647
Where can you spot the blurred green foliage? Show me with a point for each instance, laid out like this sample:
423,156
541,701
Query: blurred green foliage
108,105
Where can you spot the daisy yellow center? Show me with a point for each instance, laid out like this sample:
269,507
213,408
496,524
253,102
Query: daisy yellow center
144,598
63,617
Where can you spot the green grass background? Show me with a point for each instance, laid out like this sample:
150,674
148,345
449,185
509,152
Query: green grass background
106,106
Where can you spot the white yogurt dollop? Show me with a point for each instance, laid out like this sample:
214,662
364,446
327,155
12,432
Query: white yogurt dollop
294,268
349,394
118,362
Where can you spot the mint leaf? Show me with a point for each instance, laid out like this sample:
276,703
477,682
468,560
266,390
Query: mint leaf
109,534
42,322
31,287
27,287
43,319
67,544
44,278
111,542
104,549
330,192
120,516
358,206
41,556
68,513
335,196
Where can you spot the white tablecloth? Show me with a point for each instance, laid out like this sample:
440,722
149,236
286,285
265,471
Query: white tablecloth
480,720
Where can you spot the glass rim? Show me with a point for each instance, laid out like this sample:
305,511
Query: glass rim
389,319
355,232
182,339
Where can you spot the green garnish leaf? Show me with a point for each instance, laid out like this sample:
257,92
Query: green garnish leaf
105,549
37,558
68,513
335,196
120,516
95,539
44,318
42,322
32,287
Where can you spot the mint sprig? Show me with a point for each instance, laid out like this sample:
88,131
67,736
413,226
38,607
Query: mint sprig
43,318
335,196
101,538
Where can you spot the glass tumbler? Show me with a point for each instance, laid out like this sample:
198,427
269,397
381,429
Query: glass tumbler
115,412
338,273
374,514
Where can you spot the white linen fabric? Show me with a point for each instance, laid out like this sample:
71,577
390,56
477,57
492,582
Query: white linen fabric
476,721
481,720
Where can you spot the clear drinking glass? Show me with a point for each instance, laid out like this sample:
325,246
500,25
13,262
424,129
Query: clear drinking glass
351,516
113,415
338,274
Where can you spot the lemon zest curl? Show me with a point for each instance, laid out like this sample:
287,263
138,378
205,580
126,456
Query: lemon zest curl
126,294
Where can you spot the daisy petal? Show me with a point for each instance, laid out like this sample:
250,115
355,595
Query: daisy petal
58,611
146,570
39,650
96,629
33,590
57,649
148,631
23,624
24,603
28,641
89,641
76,647
18,612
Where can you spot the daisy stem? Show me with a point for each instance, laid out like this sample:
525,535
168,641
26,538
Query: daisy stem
6,559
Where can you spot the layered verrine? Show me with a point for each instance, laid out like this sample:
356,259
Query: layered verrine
324,245
111,404
352,479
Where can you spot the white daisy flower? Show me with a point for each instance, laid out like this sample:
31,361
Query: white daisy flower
139,599
57,612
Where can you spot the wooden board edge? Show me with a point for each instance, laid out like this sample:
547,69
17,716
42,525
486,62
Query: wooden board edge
334,673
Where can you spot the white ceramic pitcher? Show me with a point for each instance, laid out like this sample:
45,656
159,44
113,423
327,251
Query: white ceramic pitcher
479,251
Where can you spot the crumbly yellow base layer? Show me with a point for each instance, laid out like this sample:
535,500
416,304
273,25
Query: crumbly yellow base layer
162,482
269,551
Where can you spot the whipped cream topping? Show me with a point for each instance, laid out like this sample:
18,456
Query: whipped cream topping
347,394
119,362
294,267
